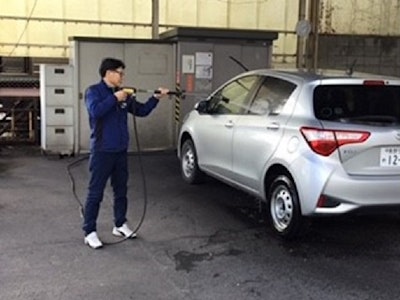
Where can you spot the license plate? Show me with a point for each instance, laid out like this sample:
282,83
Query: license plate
390,157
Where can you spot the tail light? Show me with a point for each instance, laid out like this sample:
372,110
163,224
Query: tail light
374,82
325,141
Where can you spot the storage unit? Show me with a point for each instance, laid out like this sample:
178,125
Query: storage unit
207,57
57,109
196,60
149,65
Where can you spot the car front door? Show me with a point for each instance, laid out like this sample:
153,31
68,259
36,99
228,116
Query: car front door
215,132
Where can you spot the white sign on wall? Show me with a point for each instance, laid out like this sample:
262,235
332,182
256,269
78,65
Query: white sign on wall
187,64
204,68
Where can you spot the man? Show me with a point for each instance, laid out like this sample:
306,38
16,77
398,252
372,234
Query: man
108,106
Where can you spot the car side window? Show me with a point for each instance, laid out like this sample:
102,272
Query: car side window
233,98
271,96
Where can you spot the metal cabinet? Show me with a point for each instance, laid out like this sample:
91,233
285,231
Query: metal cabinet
57,109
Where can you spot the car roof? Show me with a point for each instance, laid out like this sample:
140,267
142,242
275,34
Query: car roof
320,74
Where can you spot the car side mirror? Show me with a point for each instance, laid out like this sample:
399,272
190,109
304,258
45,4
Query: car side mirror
201,106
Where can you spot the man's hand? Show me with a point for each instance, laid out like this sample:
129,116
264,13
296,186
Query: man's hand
121,95
163,93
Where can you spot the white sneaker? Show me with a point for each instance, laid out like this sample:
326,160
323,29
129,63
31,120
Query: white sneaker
124,231
93,240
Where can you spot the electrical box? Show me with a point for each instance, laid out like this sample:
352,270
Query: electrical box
208,57
57,109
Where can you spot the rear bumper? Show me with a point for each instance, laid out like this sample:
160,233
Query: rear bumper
315,176
365,193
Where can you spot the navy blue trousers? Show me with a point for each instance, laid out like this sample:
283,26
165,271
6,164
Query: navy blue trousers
102,166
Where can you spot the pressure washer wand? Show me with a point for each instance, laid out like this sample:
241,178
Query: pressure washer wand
132,90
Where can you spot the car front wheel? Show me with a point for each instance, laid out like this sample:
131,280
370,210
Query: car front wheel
284,207
189,167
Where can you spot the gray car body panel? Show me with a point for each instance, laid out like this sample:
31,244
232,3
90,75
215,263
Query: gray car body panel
240,149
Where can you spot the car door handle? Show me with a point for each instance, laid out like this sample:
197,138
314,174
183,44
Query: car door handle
273,126
229,124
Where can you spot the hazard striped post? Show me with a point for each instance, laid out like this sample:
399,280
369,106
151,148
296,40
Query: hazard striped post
178,99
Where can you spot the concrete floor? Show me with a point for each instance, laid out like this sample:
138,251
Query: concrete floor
197,242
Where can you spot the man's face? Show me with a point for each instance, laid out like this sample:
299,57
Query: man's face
115,77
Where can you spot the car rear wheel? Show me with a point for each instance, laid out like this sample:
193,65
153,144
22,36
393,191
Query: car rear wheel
284,207
189,167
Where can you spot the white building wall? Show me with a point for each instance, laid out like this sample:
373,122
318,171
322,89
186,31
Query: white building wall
377,17
41,28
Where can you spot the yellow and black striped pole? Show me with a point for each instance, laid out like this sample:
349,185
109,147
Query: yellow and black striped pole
178,99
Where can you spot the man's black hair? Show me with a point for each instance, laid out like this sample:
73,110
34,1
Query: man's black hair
110,64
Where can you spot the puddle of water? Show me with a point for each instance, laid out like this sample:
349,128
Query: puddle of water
186,261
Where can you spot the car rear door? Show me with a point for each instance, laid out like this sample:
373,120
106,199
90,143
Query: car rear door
257,133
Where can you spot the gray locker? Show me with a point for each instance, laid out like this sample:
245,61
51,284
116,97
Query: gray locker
59,139
59,116
57,109
59,95
57,75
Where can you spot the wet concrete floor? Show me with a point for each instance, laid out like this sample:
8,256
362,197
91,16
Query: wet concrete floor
197,242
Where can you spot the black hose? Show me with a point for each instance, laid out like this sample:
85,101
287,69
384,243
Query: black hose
71,177
144,183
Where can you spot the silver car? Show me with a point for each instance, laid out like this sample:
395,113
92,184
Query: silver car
306,143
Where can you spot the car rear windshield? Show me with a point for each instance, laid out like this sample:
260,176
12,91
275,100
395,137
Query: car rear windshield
373,104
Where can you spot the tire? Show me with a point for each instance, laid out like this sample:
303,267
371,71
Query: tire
284,208
189,167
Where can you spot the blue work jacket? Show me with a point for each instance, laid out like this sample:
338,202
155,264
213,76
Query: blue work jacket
108,118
